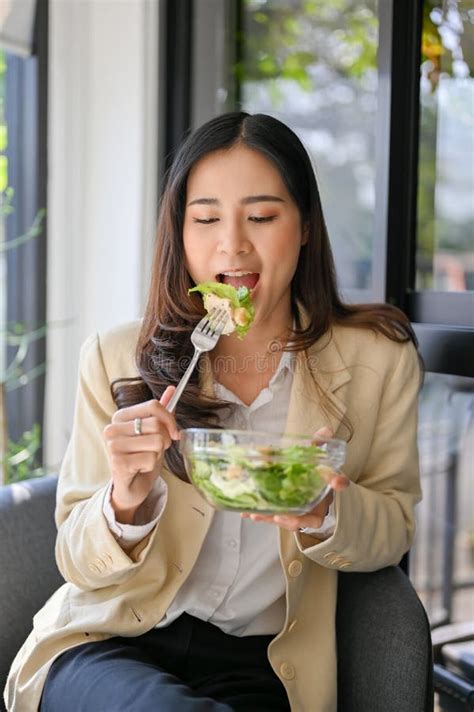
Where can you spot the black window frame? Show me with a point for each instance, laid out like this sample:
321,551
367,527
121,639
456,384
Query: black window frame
176,21
443,321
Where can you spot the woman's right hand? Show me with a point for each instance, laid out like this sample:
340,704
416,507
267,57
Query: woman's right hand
135,460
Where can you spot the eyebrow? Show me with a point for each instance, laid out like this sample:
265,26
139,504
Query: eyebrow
249,200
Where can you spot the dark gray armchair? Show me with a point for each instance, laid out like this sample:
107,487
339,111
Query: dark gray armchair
384,646
28,572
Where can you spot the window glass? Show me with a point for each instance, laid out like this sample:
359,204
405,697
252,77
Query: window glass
313,65
445,247
20,330
4,201
3,208
442,558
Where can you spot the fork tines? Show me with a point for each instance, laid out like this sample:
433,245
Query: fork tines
217,319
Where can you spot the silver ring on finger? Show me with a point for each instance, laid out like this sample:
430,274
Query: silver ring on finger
137,426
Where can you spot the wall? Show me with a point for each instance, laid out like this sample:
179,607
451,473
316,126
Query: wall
103,124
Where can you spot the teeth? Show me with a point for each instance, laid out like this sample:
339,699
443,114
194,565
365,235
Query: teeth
236,274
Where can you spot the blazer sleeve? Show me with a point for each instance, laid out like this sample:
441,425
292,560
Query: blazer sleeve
375,521
87,553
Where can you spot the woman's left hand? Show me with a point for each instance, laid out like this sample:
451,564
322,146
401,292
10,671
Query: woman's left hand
313,519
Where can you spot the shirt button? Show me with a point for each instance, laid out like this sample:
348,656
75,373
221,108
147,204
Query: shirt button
287,671
295,568
215,594
232,543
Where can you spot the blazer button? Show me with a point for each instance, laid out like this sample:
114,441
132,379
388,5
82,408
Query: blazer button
287,671
295,568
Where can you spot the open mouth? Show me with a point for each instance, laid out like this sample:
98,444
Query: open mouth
246,280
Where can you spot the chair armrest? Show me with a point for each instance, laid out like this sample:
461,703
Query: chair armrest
455,693
383,644
29,574
455,633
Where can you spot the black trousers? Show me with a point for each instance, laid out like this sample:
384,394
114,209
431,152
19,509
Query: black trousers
189,666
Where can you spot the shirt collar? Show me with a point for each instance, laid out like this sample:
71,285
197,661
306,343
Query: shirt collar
287,362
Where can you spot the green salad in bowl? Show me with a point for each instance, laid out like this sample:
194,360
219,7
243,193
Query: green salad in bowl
260,472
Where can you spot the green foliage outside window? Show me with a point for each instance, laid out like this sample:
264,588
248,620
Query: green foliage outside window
447,54
279,40
22,457
18,460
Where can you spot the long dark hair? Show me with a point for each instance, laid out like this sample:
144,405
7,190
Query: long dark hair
164,348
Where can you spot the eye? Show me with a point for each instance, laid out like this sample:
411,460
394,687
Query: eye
205,221
257,219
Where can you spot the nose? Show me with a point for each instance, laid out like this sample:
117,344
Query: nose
233,241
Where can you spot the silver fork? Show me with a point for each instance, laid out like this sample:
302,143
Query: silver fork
204,337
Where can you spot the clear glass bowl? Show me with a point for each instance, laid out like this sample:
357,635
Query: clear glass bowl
246,471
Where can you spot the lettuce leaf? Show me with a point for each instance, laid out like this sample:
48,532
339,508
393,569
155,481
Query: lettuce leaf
224,291
240,297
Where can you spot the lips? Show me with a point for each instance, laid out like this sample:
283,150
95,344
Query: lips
245,280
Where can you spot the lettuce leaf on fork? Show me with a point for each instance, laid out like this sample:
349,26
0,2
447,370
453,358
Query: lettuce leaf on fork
236,301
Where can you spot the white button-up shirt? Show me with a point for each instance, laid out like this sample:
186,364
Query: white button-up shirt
237,582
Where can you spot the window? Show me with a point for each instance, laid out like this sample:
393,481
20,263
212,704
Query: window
3,266
314,66
445,219
440,301
442,558
23,254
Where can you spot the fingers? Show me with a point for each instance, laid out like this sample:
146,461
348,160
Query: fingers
129,465
321,435
130,453
327,473
150,409
294,524
339,482
150,426
156,442
336,480
167,395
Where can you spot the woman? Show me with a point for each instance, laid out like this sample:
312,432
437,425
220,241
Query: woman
168,604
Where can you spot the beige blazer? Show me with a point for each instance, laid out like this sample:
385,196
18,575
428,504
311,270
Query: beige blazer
370,379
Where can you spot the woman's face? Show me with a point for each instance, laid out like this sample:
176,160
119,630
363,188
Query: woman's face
240,217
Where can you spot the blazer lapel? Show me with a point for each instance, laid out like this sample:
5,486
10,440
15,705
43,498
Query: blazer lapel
319,374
